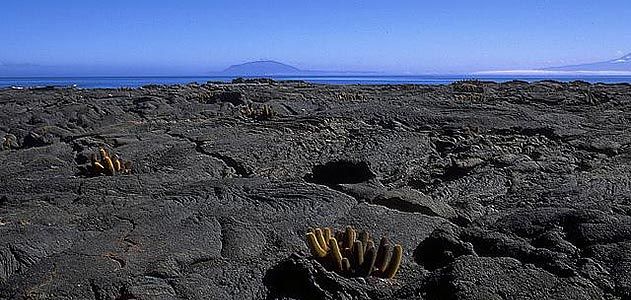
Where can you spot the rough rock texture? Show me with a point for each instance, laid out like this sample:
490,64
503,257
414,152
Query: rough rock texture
495,191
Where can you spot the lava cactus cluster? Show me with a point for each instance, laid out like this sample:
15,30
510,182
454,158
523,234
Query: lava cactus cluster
108,165
354,255
9,142
264,112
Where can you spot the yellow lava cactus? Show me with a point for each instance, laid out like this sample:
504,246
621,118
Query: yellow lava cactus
353,255
108,165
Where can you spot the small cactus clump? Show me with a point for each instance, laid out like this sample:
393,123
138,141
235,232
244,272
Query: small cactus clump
264,112
108,165
353,255
9,142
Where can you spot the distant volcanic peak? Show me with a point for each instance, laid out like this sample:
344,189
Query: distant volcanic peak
622,64
265,63
624,59
273,68
263,67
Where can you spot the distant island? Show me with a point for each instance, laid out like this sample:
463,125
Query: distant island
262,68
618,66
274,68
622,64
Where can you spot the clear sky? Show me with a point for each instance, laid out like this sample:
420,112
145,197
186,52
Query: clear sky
195,37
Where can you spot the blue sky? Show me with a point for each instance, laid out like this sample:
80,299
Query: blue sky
139,37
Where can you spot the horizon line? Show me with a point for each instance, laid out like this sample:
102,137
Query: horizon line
472,75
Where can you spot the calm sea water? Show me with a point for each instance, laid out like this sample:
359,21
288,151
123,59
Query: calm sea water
116,82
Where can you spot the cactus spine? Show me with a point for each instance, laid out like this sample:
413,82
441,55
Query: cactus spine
383,255
315,247
335,253
321,240
395,262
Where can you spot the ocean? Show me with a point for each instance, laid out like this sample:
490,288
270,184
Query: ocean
132,82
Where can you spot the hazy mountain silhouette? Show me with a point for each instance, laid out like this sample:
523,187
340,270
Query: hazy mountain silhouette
274,68
620,64
262,68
